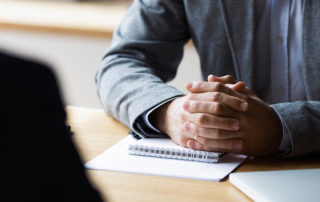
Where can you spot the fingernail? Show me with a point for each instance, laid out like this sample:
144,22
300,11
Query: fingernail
187,127
244,106
189,85
234,125
186,105
191,144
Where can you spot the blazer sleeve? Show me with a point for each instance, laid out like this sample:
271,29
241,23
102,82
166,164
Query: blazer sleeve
302,119
146,50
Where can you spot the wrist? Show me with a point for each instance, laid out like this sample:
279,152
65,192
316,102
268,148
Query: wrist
158,118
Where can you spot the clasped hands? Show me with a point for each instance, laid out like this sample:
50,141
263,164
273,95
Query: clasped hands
221,115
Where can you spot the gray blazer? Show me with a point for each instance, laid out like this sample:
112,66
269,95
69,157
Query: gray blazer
148,46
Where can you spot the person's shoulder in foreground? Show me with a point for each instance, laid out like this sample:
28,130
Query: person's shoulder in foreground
40,162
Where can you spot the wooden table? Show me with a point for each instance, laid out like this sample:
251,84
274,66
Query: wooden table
95,132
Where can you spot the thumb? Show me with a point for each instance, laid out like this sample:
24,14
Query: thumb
242,88
227,79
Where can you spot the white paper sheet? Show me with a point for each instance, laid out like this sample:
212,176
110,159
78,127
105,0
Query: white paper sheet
117,158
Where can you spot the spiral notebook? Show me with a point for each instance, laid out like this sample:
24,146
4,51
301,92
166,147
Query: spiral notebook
117,158
165,148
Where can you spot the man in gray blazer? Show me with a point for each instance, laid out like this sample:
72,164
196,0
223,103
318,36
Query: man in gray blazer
260,64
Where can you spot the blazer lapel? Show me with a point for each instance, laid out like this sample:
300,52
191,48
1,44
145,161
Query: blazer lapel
239,21
311,48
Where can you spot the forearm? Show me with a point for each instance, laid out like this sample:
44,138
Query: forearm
143,56
129,96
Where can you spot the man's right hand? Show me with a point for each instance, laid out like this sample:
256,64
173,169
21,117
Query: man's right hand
213,117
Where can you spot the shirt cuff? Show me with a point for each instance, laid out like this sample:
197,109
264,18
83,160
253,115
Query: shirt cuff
286,140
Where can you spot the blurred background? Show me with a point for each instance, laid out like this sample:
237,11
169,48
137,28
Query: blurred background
71,36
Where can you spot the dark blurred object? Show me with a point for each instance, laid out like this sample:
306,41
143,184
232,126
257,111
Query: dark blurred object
38,159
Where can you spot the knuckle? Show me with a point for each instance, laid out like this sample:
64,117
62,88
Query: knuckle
180,116
193,129
217,108
229,77
195,105
196,130
236,101
183,117
189,96
215,96
181,129
219,134
217,86
202,119
196,84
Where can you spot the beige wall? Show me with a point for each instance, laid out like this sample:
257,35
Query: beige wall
75,60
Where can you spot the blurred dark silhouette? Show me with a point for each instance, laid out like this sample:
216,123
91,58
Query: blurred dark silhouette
38,159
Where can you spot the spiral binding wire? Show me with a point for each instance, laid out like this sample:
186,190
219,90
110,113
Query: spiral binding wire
179,154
